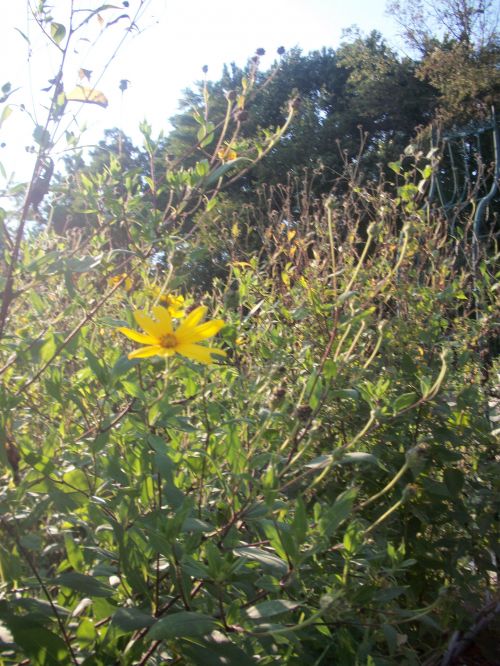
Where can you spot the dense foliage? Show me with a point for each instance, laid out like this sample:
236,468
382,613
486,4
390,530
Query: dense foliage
326,492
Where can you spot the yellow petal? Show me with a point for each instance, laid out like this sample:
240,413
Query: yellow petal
175,312
167,351
163,316
192,320
201,332
150,325
138,337
143,352
199,353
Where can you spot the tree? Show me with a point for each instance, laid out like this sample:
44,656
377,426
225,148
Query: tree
362,87
458,43
425,24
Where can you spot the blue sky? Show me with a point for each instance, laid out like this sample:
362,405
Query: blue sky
176,38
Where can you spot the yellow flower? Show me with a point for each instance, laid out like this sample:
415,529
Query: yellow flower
174,304
116,278
163,340
227,154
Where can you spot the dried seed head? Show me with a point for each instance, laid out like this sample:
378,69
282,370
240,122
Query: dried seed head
303,412
241,116
279,393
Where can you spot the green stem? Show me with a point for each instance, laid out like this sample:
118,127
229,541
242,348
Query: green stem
385,515
388,487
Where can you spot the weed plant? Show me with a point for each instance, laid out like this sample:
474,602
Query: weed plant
325,493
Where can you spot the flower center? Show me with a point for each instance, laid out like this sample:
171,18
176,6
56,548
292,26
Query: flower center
169,341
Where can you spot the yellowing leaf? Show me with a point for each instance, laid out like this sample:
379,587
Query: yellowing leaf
7,110
84,73
58,32
87,96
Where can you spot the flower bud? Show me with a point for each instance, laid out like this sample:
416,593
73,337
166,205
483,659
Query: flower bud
416,454
409,492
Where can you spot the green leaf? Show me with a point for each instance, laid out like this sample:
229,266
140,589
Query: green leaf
454,480
268,560
320,462
217,650
435,487
86,633
133,389
48,348
23,35
427,172
57,31
96,367
299,524
42,646
205,135
196,525
40,607
425,385
41,136
202,168
386,595
84,264
211,204
88,585
404,401
131,619
270,608
122,365
182,624
353,394
73,552
223,169
340,510
358,457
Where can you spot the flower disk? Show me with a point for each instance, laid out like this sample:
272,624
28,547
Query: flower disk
162,340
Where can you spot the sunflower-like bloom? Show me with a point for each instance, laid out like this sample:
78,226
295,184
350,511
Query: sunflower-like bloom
162,340
114,279
174,304
227,154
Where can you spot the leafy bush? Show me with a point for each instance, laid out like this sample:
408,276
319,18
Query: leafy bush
326,493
